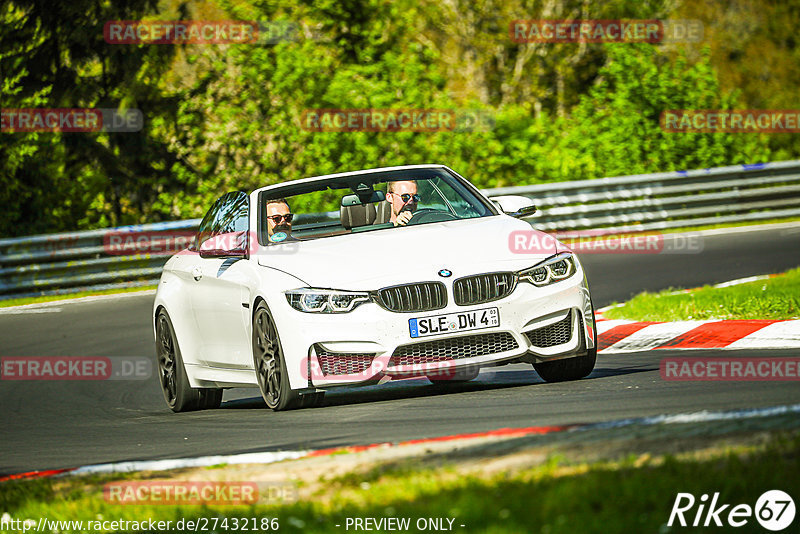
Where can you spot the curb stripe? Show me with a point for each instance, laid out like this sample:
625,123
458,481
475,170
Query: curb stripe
781,335
36,474
653,336
715,335
679,418
499,432
605,326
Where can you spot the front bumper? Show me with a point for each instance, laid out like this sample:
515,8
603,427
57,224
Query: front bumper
371,343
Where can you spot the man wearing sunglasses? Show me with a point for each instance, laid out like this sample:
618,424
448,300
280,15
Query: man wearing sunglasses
279,221
403,198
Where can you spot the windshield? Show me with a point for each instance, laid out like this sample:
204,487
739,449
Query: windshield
366,203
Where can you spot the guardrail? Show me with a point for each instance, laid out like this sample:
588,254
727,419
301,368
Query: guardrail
660,201
78,261
67,262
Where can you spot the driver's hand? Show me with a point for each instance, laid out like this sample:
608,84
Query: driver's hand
403,218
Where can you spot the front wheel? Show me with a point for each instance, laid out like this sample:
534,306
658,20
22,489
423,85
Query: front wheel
178,393
270,364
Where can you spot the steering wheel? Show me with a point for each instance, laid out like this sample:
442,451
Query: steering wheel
429,215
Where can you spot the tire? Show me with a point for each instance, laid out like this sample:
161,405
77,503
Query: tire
178,394
312,400
270,364
570,368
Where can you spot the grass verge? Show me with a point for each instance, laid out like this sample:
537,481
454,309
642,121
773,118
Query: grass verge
773,298
741,224
634,494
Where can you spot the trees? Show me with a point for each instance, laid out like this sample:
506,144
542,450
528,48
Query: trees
54,56
223,117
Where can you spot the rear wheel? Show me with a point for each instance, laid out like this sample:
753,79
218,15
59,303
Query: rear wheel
270,364
180,396
571,368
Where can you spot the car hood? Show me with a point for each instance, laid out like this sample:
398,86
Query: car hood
371,260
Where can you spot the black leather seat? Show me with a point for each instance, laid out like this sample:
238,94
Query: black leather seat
384,214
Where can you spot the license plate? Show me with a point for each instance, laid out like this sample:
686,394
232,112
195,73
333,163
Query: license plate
454,322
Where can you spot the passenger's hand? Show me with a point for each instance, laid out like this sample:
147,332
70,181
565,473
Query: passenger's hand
403,218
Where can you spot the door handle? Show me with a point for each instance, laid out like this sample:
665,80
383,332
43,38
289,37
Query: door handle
197,273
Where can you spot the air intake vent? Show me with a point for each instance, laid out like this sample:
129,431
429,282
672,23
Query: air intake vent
453,349
338,363
554,334
419,297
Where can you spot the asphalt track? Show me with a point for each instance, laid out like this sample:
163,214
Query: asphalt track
50,425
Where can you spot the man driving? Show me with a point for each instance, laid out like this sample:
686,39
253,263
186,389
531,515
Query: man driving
279,221
403,198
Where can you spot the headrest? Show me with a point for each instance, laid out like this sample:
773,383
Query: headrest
358,215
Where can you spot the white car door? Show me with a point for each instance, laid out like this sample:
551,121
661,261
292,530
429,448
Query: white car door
220,288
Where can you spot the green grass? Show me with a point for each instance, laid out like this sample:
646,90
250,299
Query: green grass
685,229
50,298
632,495
773,298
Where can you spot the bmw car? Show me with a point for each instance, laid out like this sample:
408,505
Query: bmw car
361,278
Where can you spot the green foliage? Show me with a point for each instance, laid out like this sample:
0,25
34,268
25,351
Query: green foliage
54,56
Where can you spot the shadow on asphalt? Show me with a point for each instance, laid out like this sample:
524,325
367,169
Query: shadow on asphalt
420,387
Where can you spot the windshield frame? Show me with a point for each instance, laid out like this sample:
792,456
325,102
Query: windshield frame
350,181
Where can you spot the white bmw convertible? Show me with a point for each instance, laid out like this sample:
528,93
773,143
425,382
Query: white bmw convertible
364,277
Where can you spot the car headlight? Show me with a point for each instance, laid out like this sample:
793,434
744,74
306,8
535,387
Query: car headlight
311,300
551,270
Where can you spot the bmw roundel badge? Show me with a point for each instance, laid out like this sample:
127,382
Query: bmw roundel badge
445,273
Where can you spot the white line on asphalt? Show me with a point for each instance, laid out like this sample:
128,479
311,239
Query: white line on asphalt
271,457
743,229
15,310
79,300
697,417
181,463
744,280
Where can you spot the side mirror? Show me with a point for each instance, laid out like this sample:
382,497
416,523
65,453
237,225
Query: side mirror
515,205
230,245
